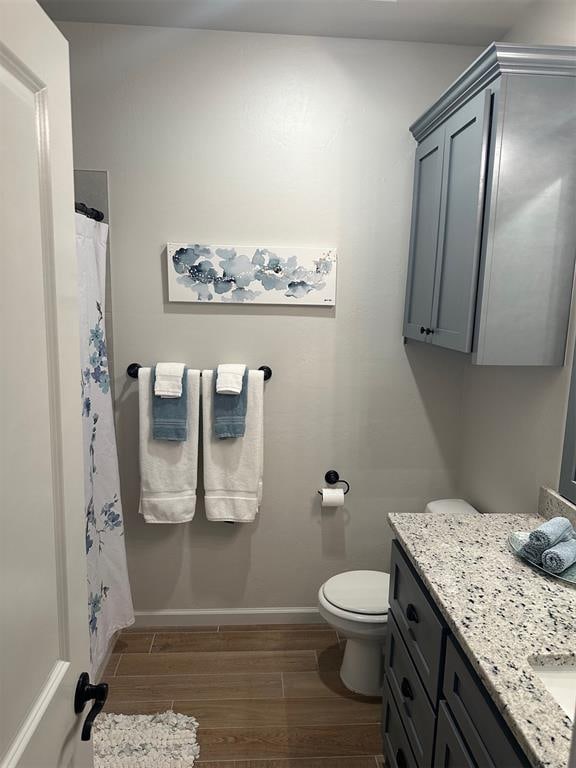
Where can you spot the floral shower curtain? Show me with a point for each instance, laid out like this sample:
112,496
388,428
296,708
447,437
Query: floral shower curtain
109,598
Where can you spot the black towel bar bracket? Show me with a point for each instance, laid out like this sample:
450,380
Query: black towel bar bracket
133,368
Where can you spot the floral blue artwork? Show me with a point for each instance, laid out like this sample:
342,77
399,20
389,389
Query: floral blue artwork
251,275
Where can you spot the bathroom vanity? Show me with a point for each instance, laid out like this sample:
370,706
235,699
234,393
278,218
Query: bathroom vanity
469,628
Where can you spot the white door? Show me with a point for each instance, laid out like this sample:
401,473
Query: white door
43,611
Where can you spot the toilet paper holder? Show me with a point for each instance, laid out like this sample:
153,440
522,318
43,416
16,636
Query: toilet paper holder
332,477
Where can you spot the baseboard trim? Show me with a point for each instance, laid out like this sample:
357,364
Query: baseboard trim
190,617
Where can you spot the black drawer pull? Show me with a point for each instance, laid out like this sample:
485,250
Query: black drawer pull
406,689
412,614
401,759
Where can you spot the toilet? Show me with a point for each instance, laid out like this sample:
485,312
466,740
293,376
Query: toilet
355,604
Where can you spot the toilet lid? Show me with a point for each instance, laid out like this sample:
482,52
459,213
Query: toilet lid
359,591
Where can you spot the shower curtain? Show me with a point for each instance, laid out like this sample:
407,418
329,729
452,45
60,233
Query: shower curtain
109,598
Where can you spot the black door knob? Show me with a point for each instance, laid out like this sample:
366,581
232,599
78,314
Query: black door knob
86,692
412,614
406,689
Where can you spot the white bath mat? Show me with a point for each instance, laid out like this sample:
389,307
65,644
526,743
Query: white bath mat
167,740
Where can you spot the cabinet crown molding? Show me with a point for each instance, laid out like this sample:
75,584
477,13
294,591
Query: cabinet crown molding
498,59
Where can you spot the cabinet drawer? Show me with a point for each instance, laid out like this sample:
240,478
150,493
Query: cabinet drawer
413,705
396,745
451,751
418,621
486,734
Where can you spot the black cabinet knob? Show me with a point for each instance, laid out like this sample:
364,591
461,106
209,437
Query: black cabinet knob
86,692
412,614
422,329
406,689
429,331
401,759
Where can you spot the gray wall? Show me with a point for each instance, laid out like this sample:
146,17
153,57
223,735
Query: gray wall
547,22
239,138
513,420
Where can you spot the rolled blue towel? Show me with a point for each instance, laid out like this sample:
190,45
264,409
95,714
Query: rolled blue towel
532,553
550,533
560,556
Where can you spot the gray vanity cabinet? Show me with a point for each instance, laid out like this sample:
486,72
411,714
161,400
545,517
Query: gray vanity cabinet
446,224
493,235
436,711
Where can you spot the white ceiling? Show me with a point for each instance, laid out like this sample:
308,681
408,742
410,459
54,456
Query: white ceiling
473,22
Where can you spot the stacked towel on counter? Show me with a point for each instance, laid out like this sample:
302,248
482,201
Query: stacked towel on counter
168,469
547,535
233,468
168,381
230,378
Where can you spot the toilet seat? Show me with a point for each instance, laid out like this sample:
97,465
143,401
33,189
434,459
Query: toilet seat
357,595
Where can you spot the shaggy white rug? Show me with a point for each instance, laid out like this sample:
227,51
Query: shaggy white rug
167,740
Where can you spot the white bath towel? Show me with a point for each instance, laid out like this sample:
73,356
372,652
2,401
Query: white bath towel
229,378
168,382
233,468
168,469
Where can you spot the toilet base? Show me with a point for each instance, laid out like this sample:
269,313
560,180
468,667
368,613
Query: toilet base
362,668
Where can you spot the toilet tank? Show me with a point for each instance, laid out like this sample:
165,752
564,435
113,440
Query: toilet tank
451,505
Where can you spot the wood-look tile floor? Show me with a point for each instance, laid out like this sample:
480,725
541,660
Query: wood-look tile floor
265,696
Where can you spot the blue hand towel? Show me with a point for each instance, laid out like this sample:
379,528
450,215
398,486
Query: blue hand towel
560,556
545,536
230,411
170,414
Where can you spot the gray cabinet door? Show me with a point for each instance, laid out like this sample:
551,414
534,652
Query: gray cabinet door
460,232
424,236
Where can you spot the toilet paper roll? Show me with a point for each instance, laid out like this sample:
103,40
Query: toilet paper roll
332,497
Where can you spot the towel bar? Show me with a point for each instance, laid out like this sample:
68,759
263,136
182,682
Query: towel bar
133,368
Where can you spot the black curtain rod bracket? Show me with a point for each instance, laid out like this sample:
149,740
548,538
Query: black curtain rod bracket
91,213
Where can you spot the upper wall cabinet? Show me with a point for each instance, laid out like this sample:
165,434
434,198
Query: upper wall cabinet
493,238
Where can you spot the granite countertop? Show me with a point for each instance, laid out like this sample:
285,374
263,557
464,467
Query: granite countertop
503,613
